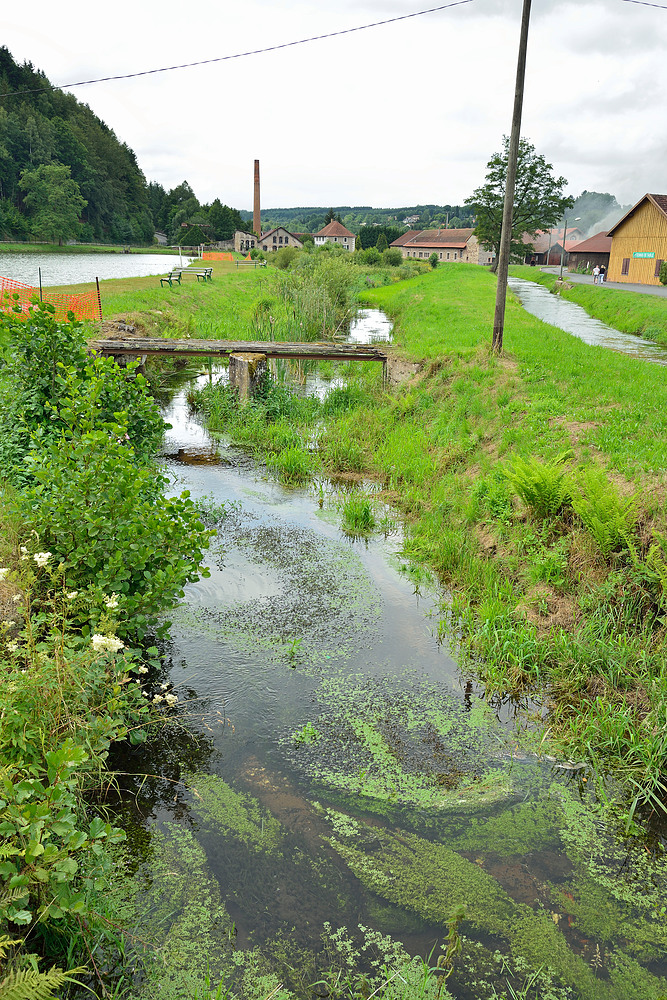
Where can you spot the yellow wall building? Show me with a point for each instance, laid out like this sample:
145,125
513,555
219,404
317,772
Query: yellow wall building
639,242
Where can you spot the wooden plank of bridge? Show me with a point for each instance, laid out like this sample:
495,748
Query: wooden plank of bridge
223,348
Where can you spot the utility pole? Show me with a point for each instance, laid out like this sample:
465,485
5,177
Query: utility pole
510,183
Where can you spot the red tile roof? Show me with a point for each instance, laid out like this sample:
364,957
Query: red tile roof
431,238
600,243
335,229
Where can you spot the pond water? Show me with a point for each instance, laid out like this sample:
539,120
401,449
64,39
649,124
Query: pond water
554,309
329,763
74,268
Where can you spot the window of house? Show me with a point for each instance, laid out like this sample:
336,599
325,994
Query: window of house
625,268
447,256
658,265
440,256
345,239
275,239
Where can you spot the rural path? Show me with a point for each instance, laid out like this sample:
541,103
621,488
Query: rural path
621,286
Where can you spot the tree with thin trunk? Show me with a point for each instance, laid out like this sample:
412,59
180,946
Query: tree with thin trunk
538,200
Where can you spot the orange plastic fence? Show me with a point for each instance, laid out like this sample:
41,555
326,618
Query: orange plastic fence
212,255
85,305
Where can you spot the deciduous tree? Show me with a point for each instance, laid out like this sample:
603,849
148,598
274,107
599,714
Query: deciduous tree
538,199
54,200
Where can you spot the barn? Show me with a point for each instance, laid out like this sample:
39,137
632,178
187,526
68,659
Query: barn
639,242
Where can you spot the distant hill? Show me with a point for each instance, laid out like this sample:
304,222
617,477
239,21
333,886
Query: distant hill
357,217
56,155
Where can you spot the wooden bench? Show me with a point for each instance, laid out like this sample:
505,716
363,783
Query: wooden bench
251,263
203,273
171,278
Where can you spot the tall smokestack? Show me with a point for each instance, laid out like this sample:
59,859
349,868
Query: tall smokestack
256,219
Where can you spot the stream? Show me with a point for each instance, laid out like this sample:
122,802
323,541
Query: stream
329,765
554,309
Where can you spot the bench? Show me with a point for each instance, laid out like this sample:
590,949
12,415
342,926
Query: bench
251,263
203,273
171,278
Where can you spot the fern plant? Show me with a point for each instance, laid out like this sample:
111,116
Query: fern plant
545,487
609,517
28,983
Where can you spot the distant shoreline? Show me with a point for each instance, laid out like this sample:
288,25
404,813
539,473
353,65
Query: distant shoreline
82,248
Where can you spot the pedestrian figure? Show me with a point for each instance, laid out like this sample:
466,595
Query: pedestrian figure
596,274
603,272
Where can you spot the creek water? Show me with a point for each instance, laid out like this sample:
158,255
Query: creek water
329,761
80,268
554,309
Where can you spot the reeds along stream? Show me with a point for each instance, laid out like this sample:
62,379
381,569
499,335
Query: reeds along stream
327,765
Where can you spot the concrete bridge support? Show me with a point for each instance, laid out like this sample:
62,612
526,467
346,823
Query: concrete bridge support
245,372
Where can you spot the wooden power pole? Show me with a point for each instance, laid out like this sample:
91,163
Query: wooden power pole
510,182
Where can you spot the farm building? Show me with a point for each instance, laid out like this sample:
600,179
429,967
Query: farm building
639,242
588,253
449,245
278,238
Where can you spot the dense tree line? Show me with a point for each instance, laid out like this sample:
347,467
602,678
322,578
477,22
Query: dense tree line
64,174
360,217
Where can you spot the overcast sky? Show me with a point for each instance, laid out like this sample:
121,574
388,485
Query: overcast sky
406,113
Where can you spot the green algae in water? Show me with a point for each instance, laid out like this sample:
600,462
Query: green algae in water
324,598
234,814
175,905
402,742
430,879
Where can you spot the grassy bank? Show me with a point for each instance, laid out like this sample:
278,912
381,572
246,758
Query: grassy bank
629,312
79,248
534,484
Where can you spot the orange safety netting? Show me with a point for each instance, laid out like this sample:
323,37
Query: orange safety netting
84,305
212,255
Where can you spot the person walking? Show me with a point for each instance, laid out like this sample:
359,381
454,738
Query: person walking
603,272
596,274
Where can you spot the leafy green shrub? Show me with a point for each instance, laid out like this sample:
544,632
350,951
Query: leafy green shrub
544,487
106,522
392,257
608,517
47,361
663,273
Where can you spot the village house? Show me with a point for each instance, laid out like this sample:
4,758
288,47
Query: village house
449,245
595,250
639,242
547,244
335,232
278,238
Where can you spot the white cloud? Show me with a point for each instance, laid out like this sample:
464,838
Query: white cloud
401,114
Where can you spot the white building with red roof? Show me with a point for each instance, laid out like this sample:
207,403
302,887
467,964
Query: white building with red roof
335,232
448,244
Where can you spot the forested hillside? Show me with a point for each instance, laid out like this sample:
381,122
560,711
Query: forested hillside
65,175
358,217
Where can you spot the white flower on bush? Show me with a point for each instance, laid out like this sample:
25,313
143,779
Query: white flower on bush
112,601
171,699
24,552
106,643
158,699
41,558
142,670
12,646
16,598
71,594
3,572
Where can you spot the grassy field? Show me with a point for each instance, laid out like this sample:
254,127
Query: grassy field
630,312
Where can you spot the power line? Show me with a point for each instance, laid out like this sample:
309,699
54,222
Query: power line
240,55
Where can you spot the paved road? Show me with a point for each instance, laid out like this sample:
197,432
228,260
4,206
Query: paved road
621,286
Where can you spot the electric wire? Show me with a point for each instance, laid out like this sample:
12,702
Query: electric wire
239,55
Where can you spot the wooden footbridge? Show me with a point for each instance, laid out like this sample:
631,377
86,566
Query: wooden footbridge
247,358
164,347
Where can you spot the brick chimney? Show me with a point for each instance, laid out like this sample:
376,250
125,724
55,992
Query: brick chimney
256,218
